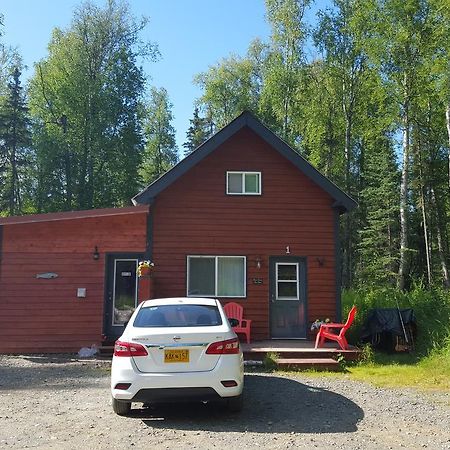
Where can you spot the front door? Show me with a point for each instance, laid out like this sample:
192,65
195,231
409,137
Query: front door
287,297
121,292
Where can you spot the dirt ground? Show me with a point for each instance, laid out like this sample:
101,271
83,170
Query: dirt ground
60,402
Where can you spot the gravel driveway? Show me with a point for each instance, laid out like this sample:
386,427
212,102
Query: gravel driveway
60,402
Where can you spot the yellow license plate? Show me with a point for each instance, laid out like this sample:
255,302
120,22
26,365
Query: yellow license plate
176,356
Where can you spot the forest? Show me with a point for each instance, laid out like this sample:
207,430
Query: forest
370,109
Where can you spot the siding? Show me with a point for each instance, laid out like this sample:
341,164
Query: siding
39,315
195,216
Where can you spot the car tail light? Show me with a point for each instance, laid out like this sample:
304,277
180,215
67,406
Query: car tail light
229,347
129,349
229,383
122,386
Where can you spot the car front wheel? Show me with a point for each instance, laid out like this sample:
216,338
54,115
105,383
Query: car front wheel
121,408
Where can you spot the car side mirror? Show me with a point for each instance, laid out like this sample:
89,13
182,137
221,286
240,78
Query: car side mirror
233,322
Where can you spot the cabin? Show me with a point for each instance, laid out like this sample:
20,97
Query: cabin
243,218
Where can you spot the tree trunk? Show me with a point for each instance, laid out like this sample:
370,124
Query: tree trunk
347,275
447,121
441,251
424,218
425,233
13,179
404,257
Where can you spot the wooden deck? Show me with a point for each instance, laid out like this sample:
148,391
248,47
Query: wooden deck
299,353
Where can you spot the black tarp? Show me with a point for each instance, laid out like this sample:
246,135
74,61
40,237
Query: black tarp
383,329
387,319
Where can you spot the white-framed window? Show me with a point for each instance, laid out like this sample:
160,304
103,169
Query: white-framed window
243,183
216,276
125,290
287,281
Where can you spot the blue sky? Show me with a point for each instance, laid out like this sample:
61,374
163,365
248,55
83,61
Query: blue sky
191,36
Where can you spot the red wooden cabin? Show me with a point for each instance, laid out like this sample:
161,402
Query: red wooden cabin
244,218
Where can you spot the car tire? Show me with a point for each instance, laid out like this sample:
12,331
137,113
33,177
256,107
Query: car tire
121,408
235,404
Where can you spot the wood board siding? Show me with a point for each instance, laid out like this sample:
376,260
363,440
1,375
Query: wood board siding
40,315
194,216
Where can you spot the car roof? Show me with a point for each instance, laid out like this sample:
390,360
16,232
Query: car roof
180,300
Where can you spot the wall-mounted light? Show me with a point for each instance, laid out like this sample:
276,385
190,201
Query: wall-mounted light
288,249
321,261
258,262
96,254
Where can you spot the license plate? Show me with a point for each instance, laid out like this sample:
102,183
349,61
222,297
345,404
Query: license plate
176,356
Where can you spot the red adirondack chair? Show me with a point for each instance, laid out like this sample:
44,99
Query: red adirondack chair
330,331
236,311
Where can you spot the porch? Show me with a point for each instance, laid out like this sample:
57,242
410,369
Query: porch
299,354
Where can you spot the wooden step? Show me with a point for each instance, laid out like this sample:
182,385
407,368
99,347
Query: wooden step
308,363
106,350
259,354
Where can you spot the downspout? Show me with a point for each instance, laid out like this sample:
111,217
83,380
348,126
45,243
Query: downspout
1,252
148,254
337,260
146,288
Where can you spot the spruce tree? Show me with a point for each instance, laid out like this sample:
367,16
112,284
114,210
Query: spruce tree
379,235
199,131
14,146
160,152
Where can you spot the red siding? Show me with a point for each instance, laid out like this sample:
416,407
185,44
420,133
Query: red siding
195,216
39,315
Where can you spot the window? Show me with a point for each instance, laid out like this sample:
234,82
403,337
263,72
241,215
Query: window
216,276
287,281
244,183
124,290
178,316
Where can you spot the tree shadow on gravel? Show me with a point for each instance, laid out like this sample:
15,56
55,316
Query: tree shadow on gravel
272,405
51,372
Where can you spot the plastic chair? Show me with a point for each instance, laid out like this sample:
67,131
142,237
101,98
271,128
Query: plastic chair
236,311
329,331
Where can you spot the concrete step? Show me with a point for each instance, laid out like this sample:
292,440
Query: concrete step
308,363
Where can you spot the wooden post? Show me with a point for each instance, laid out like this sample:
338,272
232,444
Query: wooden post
145,288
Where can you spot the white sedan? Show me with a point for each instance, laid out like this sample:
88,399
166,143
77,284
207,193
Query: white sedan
177,349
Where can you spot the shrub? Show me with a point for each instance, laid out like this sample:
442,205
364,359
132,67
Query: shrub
270,361
431,307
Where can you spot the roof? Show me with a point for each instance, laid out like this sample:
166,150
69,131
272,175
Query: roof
68,215
343,202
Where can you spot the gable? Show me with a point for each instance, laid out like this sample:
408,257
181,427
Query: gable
205,184
342,201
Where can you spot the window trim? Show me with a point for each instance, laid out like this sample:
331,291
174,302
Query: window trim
297,280
216,265
244,173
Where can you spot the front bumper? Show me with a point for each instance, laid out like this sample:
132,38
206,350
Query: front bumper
182,386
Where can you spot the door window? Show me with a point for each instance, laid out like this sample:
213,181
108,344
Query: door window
287,281
125,290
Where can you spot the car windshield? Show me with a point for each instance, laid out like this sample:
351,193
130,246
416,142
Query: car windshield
178,316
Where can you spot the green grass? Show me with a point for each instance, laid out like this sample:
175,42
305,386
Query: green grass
426,369
398,371
429,373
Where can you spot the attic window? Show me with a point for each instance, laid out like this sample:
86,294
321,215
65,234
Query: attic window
244,183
